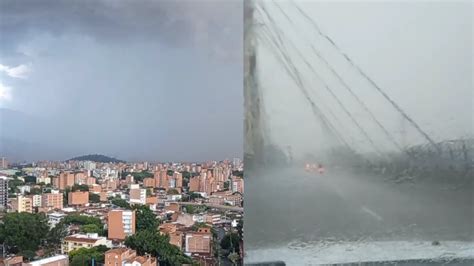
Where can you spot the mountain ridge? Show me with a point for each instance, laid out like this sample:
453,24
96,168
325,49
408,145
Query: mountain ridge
99,158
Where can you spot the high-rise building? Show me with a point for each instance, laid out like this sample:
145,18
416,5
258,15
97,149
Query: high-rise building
64,180
237,184
3,192
120,224
3,163
149,182
22,204
36,200
129,179
137,194
194,184
78,198
178,177
53,200
80,178
236,162
88,165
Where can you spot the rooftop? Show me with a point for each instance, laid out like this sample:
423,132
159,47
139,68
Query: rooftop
48,260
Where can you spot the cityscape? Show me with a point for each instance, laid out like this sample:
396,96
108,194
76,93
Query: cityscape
136,133
97,210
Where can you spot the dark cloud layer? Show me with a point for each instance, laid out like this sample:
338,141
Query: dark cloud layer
211,24
155,80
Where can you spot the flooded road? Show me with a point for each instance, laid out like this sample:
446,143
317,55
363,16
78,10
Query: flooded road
288,206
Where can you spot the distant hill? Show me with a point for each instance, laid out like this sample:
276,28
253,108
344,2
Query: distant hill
97,158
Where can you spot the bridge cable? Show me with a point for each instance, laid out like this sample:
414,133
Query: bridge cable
361,72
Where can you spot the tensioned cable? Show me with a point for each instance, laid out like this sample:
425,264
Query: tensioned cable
361,72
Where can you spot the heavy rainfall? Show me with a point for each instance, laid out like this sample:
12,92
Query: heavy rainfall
348,165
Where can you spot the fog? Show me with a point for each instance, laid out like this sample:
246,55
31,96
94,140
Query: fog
398,167
418,53
141,80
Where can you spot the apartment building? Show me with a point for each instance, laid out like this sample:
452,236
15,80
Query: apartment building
80,178
22,204
120,223
212,218
53,200
237,184
78,198
137,194
65,179
91,181
3,163
95,188
36,200
3,192
54,218
175,233
178,177
194,184
199,242
149,182
77,241
127,257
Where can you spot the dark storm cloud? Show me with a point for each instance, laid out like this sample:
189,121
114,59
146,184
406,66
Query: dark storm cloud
207,24
154,80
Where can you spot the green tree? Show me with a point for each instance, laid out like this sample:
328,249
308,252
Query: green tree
189,209
30,179
185,197
194,196
196,226
120,203
231,242
23,231
94,198
170,172
28,255
234,257
55,237
82,220
186,174
156,244
238,173
92,228
35,191
149,192
84,256
14,184
65,195
138,176
145,218
172,191
77,187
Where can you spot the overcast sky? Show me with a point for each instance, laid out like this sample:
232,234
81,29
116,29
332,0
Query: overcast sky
139,80
419,52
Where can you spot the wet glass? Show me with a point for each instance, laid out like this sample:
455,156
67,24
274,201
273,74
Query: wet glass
359,132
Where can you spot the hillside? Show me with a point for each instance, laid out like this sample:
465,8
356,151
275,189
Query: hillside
97,158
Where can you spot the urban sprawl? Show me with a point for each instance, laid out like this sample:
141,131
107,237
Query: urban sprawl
84,212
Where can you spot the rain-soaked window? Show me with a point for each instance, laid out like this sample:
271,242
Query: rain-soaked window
359,132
